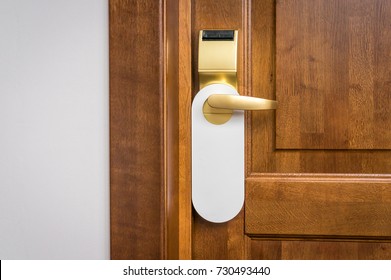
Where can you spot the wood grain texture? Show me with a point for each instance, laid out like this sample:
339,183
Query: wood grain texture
333,81
319,206
262,154
136,130
260,127
289,192
177,129
185,94
318,250
171,128
219,241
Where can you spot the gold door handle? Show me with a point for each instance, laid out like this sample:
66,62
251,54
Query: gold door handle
218,108
237,102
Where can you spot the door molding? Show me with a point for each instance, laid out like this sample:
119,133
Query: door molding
150,97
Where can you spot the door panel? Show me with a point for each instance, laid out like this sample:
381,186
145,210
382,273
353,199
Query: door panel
333,78
265,153
314,249
315,168
320,169
319,206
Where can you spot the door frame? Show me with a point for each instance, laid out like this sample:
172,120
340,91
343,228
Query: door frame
150,153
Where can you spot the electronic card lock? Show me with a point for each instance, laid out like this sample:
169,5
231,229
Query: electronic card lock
218,128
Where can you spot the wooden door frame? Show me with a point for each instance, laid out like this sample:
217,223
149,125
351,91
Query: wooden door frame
150,101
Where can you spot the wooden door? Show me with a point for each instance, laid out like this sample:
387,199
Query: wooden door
318,183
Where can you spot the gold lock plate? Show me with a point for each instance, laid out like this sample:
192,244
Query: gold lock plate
217,64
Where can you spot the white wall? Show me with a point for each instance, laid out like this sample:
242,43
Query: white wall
54,147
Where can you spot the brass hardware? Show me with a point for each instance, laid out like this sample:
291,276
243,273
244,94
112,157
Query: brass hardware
236,102
218,108
217,64
227,78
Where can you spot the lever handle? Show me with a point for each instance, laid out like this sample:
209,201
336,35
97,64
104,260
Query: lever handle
237,102
220,105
